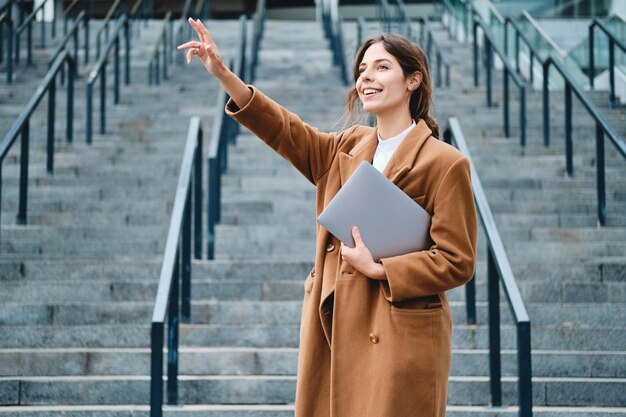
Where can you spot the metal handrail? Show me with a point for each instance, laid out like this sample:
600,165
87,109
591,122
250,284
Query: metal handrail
543,33
462,19
334,33
613,41
177,262
225,129
428,39
499,270
154,69
257,35
73,34
27,24
21,127
105,25
178,249
520,35
490,46
602,128
99,70
66,13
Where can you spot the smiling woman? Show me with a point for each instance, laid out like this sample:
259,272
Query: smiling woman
375,337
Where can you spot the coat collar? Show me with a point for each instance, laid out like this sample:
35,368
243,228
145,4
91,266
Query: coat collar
399,164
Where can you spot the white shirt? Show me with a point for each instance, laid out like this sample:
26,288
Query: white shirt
386,148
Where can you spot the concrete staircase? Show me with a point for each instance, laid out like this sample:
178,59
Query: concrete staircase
75,305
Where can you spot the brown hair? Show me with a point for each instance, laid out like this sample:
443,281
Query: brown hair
411,59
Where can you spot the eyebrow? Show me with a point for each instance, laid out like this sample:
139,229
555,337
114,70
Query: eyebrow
376,61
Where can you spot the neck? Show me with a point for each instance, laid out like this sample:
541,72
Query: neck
389,125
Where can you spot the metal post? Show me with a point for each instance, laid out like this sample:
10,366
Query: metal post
568,131
488,57
51,110
524,369
530,69
127,52
494,330
475,54
213,205
157,68
116,72
9,24
186,258
172,335
600,174
89,111
197,198
505,108
611,72
29,40
592,69
71,76
86,22
522,116
164,56
546,105
103,106
470,300
517,35
156,372
43,30
23,202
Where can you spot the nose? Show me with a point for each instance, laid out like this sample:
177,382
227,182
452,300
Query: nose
366,75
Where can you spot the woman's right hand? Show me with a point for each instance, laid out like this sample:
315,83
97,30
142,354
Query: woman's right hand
205,49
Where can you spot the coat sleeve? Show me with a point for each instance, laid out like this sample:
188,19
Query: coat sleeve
310,151
450,260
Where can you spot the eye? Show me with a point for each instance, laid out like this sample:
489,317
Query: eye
383,66
361,70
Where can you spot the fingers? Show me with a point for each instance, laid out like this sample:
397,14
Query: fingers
356,234
191,44
206,35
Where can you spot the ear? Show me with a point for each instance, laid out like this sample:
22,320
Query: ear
414,81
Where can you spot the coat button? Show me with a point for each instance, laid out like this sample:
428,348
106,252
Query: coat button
373,338
330,247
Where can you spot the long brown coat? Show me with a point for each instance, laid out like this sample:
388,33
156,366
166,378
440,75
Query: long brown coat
373,348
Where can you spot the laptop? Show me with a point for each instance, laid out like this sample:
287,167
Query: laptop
390,222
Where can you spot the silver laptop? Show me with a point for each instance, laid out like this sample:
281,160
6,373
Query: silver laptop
390,222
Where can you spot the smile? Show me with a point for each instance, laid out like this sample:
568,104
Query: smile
370,91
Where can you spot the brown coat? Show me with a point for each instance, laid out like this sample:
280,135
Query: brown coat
373,348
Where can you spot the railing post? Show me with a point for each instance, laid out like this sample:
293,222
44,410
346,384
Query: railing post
524,369
488,63
172,334
531,74
522,116
600,174
156,373
611,72
127,52
546,104
213,203
71,76
470,300
186,258
86,23
43,29
116,72
103,90
10,35
568,131
23,202
493,293
89,117
517,35
197,198
505,108
29,40
592,69
475,35
51,110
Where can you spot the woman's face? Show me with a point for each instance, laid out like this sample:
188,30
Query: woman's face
382,86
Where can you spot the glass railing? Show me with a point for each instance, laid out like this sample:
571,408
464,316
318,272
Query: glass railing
580,53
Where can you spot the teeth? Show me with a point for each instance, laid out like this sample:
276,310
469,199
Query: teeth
369,91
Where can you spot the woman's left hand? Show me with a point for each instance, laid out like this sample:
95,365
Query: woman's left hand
361,258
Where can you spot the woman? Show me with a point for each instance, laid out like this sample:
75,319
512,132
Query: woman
375,337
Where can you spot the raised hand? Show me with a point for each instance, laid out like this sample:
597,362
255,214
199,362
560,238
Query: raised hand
205,49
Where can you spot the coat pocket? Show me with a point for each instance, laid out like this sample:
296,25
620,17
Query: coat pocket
418,305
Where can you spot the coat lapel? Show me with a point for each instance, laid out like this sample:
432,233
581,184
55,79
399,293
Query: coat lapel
400,163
